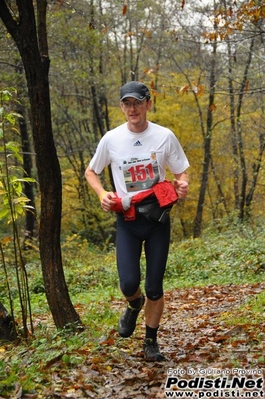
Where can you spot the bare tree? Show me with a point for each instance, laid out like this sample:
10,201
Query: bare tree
245,178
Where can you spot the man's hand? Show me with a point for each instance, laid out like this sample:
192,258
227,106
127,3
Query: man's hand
181,187
106,200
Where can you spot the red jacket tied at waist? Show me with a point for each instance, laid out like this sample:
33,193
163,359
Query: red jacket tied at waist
164,192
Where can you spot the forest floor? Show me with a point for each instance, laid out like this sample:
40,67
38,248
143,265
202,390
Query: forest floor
194,337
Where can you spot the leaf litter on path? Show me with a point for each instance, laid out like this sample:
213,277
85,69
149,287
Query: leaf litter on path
192,334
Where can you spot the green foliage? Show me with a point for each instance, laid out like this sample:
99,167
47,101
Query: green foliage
14,205
97,271
231,257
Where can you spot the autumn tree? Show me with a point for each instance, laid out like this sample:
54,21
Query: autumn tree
244,22
80,112
202,88
223,71
31,40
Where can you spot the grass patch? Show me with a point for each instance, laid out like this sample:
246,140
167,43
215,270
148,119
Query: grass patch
251,313
231,257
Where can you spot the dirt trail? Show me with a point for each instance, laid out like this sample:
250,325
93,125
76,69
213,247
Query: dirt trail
192,336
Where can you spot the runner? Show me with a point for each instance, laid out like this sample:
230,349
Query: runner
139,152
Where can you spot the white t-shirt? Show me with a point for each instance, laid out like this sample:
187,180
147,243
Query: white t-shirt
139,160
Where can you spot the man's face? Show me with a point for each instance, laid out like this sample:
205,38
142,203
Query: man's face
135,110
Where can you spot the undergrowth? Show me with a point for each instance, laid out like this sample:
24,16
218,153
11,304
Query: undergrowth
251,312
232,257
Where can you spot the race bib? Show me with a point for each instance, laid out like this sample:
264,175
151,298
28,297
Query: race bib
141,172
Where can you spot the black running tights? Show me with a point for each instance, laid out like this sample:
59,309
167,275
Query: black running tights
130,238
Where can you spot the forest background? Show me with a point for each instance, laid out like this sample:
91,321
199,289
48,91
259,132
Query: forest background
204,64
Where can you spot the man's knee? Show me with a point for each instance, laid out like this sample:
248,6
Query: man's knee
154,295
129,289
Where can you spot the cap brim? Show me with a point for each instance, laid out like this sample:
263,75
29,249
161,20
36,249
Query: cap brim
134,95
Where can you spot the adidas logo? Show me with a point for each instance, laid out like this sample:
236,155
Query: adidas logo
137,143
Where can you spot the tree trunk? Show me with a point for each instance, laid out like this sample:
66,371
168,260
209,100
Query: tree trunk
233,135
34,53
256,167
207,148
240,136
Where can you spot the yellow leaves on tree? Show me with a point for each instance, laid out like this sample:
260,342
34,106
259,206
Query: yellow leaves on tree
233,19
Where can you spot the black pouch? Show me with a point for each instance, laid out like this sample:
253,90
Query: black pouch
152,211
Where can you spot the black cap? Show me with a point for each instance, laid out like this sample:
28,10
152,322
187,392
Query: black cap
134,89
